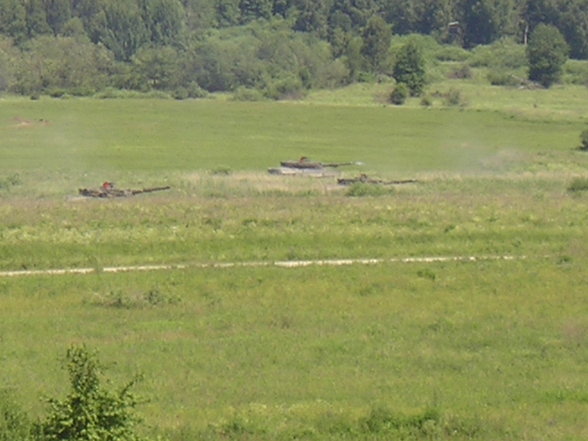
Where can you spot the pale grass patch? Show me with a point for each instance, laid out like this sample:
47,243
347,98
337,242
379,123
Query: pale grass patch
244,183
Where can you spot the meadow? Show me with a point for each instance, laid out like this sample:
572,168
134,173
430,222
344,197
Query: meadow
474,349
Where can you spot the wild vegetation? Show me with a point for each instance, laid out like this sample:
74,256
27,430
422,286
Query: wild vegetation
488,343
258,307
255,49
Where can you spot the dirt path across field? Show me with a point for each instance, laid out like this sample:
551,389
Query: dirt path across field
279,264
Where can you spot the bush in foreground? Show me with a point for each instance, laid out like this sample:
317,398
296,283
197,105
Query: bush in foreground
89,412
14,423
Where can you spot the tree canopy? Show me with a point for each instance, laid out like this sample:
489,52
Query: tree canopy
224,44
547,52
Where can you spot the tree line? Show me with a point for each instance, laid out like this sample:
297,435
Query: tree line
275,46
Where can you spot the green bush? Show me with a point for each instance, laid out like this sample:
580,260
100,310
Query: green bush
578,185
399,95
451,53
426,101
246,94
14,423
89,412
10,181
462,72
195,91
504,53
454,98
504,78
584,140
288,87
56,93
180,93
576,72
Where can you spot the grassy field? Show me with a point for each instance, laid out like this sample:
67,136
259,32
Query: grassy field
464,350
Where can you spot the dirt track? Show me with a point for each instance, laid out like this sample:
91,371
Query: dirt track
279,264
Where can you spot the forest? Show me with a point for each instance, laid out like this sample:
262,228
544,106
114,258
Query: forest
274,48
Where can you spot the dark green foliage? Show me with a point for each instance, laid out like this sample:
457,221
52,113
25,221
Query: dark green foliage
484,21
399,94
89,412
13,19
409,68
547,52
66,63
58,13
156,68
36,19
255,9
14,423
8,182
123,31
312,16
584,140
165,22
376,44
578,185
358,33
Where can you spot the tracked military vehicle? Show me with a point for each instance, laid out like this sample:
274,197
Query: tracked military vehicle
107,190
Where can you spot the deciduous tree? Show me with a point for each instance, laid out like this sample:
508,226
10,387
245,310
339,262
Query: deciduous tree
409,68
547,52
377,36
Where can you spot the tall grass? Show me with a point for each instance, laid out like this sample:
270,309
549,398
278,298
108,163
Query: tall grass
471,350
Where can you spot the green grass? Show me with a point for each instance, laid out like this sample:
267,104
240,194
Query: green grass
79,138
480,350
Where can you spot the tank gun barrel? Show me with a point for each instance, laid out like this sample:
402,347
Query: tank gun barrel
150,190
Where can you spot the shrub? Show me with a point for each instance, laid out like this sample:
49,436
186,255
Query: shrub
288,87
451,53
504,53
547,53
409,68
426,101
246,94
578,184
454,98
584,140
195,91
399,95
14,423
462,72
89,413
504,78
180,93
56,93
10,181
576,72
